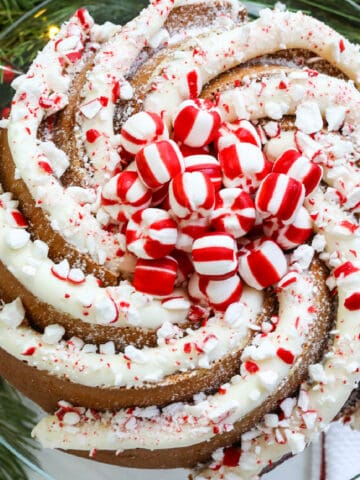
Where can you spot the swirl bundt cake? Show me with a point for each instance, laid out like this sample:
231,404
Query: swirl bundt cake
179,242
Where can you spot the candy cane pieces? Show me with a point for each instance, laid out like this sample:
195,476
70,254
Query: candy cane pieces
155,277
196,123
124,194
293,164
234,212
215,255
191,194
141,129
262,265
159,162
151,233
243,165
290,236
208,165
280,196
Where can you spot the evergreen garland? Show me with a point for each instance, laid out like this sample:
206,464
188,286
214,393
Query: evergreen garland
16,445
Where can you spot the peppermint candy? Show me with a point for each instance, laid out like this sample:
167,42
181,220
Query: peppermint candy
155,277
217,293
196,122
189,230
124,194
215,255
159,162
290,236
191,194
234,212
293,164
140,129
151,233
280,196
185,266
243,165
206,164
262,263
242,130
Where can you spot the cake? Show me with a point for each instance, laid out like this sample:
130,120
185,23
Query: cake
179,237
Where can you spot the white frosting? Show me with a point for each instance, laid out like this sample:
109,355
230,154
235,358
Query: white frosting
224,408
71,292
277,30
109,69
309,96
133,367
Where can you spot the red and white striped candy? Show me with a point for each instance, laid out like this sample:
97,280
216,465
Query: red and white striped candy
196,123
188,151
124,194
242,130
206,164
185,266
234,212
290,236
155,277
191,194
293,164
195,294
243,165
159,195
191,84
189,230
221,293
215,255
280,196
141,129
151,233
262,265
159,162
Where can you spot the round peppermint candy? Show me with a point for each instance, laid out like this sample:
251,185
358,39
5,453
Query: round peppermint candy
141,129
191,194
124,194
280,196
159,162
293,235
234,212
151,233
293,164
262,263
215,255
155,277
196,123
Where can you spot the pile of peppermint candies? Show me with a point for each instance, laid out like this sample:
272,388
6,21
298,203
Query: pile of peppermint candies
208,208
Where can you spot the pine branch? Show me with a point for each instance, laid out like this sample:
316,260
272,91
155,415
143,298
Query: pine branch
16,423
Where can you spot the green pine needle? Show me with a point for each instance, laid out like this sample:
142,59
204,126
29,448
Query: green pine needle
16,422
